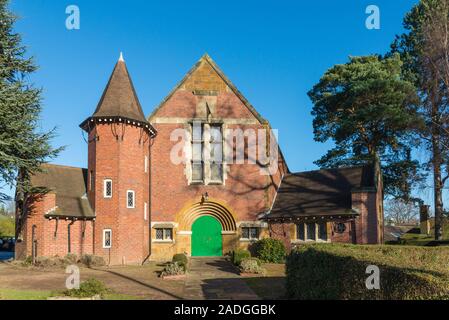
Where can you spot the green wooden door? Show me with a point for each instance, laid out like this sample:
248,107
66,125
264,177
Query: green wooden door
206,237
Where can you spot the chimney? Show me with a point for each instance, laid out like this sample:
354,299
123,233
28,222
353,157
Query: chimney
424,219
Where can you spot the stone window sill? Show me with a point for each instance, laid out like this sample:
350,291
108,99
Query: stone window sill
248,240
309,241
163,241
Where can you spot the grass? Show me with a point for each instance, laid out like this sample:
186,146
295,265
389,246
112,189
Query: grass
272,285
12,294
413,238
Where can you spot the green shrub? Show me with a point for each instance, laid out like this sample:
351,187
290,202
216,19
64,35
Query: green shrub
251,265
50,262
90,260
88,288
339,272
270,250
71,258
173,269
238,255
182,260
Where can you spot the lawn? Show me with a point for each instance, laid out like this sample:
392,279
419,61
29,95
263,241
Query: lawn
13,294
125,282
414,238
272,285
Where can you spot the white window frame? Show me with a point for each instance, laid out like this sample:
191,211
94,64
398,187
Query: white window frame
249,234
105,181
317,233
164,239
104,239
145,211
219,163
134,199
194,162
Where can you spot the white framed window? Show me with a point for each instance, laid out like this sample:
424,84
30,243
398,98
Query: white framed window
130,199
197,153
107,238
311,232
145,211
146,164
210,171
216,154
164,234
107,188
250,233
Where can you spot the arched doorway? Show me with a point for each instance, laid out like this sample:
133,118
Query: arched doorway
206,237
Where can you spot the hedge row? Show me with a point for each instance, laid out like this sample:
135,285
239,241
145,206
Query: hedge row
339,272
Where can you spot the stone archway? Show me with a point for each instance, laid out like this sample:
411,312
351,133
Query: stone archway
187,217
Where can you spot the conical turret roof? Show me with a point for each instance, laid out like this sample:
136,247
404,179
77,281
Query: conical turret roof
119,99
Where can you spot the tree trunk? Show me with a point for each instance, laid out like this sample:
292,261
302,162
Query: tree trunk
437,181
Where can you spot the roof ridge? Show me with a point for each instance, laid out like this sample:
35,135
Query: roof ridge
62,166
330,169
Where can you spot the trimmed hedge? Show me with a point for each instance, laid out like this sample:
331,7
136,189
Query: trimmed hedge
339,272
270,250
238,255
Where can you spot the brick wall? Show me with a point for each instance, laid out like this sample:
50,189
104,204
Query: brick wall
122,161
52,235
245,191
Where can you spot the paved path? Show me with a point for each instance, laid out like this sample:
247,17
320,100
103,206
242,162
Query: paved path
215,278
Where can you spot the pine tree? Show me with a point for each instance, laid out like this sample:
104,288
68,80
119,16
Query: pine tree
368,110
424,48
23,147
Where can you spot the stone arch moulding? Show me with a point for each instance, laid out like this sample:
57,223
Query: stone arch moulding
208,208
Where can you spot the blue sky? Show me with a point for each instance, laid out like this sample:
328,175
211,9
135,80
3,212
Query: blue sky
273,51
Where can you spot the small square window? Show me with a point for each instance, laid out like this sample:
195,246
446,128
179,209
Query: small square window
107,238
250,233
164,234
130,201
107,188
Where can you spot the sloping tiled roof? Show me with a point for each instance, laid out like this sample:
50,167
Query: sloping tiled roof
119,99
321,192
205,58
70,186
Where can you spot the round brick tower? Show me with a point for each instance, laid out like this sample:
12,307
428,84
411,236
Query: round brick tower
119,140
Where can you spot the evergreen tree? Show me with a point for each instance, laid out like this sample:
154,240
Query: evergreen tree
23,147
424,48
367,109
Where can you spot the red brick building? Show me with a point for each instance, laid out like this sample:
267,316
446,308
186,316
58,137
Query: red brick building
202,175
